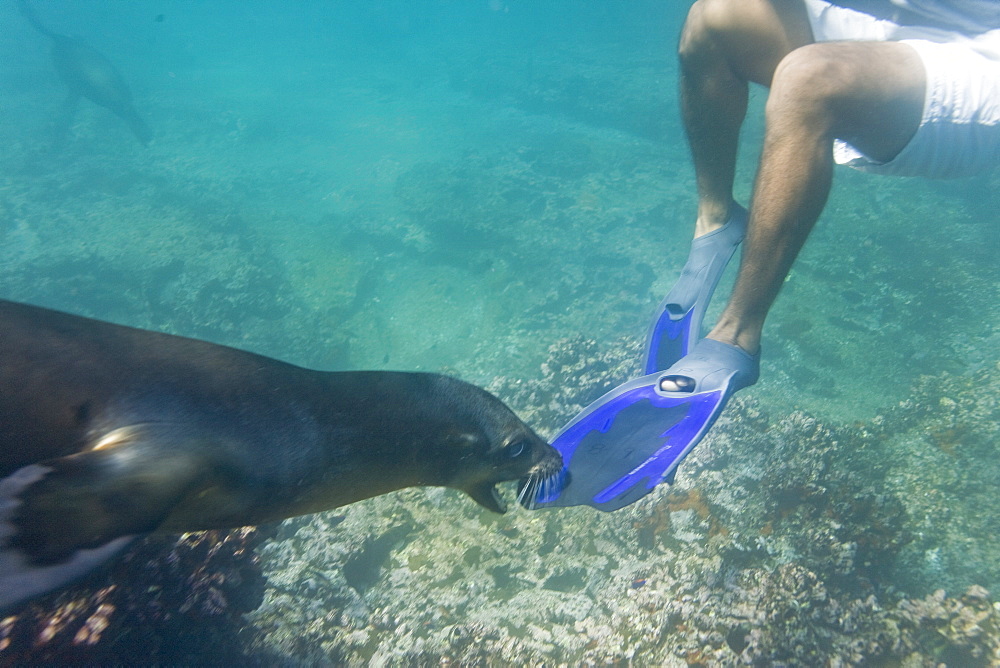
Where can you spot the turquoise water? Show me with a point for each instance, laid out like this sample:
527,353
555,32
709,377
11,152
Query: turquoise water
492,189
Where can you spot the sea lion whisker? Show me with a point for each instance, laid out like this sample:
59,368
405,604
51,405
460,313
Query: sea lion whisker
551,484
524,488
545,487
536,482
527,489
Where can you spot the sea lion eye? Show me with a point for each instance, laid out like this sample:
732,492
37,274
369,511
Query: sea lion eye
517,449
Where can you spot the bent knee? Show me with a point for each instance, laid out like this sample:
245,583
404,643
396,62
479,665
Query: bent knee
708,20
751,35
699,27
823,66
712,14
812,79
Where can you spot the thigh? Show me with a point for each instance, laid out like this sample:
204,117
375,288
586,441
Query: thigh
870,94
752,35
959,128
957,131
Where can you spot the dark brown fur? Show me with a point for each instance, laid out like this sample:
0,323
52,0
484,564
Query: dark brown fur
109,431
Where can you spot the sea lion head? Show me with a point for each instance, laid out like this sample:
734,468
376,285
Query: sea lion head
486,444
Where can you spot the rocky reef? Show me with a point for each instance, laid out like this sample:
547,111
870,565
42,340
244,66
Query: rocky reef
168,600
786,541
370,226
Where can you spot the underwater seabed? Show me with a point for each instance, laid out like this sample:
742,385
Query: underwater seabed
514,218
785,539
793,534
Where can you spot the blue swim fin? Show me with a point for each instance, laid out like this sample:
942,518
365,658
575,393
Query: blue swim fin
631,439
677,326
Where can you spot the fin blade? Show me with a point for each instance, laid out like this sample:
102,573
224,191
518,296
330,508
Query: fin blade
668,340
628,441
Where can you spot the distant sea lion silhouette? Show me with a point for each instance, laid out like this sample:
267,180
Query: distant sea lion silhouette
87,73
109,432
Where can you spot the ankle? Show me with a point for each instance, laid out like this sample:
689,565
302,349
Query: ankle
745,339
712,216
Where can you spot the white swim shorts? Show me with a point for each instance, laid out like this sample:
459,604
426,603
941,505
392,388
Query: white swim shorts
959,133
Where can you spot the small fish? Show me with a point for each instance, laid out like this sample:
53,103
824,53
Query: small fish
638,583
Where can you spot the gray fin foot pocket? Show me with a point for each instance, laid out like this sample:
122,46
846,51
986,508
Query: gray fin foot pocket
677,326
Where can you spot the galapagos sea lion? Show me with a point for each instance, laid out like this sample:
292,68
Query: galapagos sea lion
87,73
109,432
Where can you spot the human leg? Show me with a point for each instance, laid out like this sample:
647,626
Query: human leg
870,93
634,437
725,45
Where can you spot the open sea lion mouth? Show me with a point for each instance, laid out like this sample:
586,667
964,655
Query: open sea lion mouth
488,496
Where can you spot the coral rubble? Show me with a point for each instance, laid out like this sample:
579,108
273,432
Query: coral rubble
782,543
168,600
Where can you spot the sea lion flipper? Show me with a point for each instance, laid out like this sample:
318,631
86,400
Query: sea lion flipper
20,578
29,14
61,517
